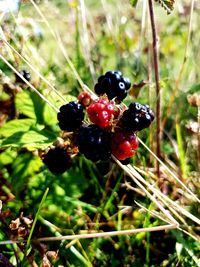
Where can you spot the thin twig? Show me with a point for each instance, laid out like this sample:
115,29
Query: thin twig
157,81
97,235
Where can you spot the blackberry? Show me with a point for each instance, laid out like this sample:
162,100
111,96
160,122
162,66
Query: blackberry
137,117
126,161
113,84
25,74
93,142
70,116
57,160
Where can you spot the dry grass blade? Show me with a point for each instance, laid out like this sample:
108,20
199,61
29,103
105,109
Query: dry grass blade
166,200
170,172
29,84
98,235
86,41
32,67
157,203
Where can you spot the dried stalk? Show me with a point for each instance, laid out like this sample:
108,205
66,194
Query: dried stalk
157,81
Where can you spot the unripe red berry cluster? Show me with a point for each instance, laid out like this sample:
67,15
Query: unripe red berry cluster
101,113
102,127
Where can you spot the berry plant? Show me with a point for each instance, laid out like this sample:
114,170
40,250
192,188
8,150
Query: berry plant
99,133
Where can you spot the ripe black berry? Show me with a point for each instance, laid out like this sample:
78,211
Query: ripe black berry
94,142
137,117
70,116
57,160
113,84
126,161
25,74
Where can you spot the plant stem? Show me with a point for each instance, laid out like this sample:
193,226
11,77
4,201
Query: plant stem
157,81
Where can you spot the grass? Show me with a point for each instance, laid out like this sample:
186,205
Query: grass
98,214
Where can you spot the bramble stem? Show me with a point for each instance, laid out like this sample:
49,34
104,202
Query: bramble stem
157,81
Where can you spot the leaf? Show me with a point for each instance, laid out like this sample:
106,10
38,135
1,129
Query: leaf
33,139
133,2
7,157
14,126
24,104
49,116
136,88
168,5
25,165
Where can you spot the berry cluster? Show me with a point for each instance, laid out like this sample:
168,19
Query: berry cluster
101,113
124,144
137,117
57,160
114,85
70,116
93,142
110,130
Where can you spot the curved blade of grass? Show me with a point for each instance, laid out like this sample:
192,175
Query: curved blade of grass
33,226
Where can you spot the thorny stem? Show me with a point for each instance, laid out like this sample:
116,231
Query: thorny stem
157,81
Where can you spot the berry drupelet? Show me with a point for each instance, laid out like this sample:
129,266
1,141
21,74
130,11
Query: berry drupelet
26,75
114,85
137,117
71,116
93,142
101,113
57,160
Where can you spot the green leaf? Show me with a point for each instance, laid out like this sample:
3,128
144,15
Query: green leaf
7,157
133,2
24,104
194,89
14,126
25,165
33,139
49,116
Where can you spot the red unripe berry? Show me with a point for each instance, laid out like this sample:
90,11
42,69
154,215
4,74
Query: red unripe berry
124,144
85,98
101,113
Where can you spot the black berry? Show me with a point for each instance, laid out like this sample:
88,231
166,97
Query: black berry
137,117
94,143
71,116
113,84
25,74
57,160
126,161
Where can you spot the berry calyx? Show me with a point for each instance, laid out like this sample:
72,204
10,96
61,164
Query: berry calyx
71,116
93,142
137,117
57,160
124,144
114,85
101,113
